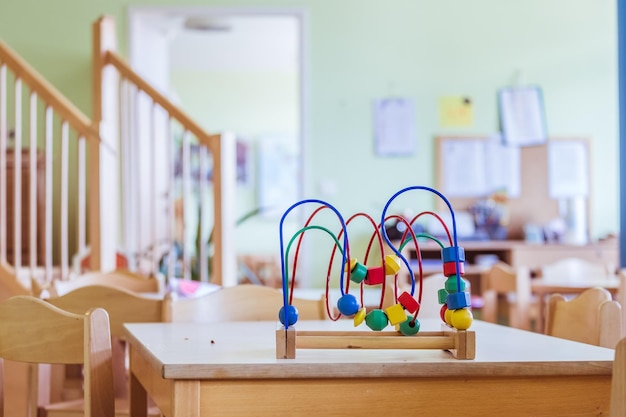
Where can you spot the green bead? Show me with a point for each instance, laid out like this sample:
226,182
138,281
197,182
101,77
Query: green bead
451,284
358,273
442,295
408,328
376,320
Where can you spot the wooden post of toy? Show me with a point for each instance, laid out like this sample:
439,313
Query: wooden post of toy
461,343
286,343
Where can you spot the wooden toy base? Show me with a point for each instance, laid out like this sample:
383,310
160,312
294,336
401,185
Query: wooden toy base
461,343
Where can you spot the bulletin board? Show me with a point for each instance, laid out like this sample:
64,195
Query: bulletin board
539,188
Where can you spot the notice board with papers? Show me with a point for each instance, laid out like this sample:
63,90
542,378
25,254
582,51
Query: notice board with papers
469,168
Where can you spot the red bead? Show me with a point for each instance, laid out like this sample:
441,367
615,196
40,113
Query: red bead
449,268
375,275
442,312
409,303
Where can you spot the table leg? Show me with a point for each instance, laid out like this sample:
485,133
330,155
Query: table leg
541,319
186,398
138,396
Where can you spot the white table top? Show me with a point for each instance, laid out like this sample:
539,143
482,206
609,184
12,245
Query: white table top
244,350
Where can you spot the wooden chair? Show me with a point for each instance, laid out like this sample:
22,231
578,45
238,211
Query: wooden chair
244,302
621,297
502,281
618,381
123,306
592,317
575,268
118,279
34,331
68,379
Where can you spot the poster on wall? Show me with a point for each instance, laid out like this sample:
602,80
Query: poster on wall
478,167
278,174
568,170
394,127
522,117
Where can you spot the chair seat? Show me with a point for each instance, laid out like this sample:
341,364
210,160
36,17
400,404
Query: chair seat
75,408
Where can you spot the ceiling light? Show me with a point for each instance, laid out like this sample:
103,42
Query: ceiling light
207,24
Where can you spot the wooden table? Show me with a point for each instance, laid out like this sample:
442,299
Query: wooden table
230,369
542,288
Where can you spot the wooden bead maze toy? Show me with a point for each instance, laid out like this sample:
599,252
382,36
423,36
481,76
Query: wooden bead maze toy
403,313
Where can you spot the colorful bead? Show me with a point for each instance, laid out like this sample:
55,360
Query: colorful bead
458,300
442,295
408,302
292,315
449,268
358,273
450,254
408,327
359,317
375,275
348,305
442,312
351,264
376,320
462,319
448,316
452,284
392,264
395,314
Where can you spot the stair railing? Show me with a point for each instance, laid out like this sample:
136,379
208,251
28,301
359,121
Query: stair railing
47,130
161,183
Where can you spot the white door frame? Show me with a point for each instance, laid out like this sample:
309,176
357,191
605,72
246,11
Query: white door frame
303,69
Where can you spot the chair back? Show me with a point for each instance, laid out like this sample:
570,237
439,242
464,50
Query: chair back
430,307
123,306
244,302
592,317
514,284
118,279
621,297
618,381
37,332
575,268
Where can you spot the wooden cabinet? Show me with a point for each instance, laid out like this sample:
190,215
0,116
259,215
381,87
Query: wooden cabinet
520,253
25,207
516,253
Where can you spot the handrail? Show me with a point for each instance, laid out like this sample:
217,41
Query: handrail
128,73
47,92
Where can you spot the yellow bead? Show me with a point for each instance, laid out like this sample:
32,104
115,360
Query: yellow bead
351,264
395,314
392,265
448,316
462,319
359,317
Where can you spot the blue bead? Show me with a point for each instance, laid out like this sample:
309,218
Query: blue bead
458,300
348,305
451,253
292,314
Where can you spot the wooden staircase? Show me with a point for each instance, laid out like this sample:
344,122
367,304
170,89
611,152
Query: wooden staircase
121,157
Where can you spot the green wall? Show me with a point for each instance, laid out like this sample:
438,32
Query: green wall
362,50
254,105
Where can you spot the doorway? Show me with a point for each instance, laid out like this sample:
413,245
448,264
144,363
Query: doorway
237,70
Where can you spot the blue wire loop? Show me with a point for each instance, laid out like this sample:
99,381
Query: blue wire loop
397,252
282,251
